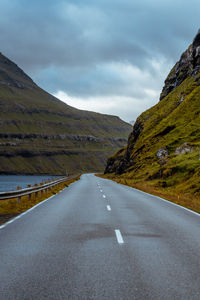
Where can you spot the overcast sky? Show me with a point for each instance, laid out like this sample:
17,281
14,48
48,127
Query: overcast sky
109,56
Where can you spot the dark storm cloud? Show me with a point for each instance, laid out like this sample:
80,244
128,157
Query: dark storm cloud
78,46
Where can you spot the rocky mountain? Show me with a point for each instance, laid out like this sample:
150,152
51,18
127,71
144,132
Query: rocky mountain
41,134
163,148
132,122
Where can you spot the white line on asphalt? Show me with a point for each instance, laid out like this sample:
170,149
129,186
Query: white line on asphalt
119,236
167,201
101,191
104,196
108,207
27,211
24,213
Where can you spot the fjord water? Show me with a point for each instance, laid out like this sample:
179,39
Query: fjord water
11,182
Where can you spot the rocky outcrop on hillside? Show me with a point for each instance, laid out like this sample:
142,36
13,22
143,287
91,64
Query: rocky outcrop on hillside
188,65
184,148
119,163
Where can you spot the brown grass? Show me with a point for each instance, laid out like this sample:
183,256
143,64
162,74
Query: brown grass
11,208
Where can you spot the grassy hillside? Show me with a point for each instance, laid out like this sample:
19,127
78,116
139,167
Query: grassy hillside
41,134
163,151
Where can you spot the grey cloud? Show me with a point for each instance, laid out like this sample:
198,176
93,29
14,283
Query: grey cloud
61,44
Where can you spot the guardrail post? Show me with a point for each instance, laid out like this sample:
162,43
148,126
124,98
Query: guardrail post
41,192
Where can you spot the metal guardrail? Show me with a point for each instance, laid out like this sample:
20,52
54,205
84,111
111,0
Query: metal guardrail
29,191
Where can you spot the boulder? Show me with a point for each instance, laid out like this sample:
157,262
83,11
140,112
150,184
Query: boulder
184,148
162,153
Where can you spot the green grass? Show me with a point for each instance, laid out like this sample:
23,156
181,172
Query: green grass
178,173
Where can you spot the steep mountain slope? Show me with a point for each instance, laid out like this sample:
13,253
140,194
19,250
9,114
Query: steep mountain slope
163,148
41,134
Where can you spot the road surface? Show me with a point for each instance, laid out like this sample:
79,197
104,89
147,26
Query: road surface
101,240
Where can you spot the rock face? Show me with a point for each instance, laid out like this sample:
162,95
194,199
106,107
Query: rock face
41,134
166,130
189,64
162,153
122,161
184,148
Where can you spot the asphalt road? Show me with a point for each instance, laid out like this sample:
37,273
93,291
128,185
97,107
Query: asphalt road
101,240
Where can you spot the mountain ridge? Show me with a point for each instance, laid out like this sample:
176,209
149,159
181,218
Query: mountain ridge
41,134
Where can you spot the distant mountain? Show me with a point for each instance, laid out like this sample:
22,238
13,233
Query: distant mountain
132,122
41,134
164,147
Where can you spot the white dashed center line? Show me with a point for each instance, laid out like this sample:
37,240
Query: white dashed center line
101,191
104,196
108,207
119,236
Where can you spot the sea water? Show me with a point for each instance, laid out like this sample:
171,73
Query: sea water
11,182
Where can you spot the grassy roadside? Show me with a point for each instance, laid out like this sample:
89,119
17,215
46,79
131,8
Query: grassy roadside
11,208
186,200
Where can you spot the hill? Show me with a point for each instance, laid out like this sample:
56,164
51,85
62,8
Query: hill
163,149
40,134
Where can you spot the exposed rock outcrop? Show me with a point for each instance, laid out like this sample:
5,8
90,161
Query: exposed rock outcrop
184,148
162,153
189,64
121,161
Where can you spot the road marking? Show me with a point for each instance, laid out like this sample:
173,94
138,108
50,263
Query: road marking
32,208
24,213
104,196
101,191
9,222
167,201
119,236
108,207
